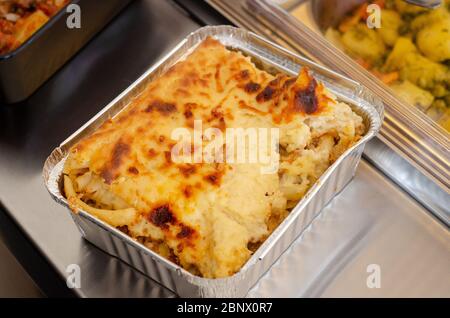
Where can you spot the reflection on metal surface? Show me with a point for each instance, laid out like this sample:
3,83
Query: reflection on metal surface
409,179
370,222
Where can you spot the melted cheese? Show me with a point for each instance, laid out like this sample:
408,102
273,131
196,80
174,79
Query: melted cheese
209,216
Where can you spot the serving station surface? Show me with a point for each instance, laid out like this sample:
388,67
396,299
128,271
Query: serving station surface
372,222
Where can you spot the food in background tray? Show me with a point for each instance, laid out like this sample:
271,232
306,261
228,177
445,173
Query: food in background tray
410,52
208,217
20,19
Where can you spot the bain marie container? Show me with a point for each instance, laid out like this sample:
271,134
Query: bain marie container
26,68
270,57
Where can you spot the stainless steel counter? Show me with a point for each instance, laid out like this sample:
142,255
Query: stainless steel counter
371,222
14,280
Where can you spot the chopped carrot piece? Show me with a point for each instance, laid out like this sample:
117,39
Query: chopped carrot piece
386,78
363,63
354,19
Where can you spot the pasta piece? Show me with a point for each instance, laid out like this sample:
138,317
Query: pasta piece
29,25
390,25
113,217
413,95
434,41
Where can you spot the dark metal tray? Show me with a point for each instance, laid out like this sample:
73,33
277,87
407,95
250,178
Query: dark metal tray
25,69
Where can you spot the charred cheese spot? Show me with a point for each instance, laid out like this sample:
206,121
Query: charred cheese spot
133,170
252,87
168,157
217,118
173,258
161,107
305,100
110,170
266,95
253,246
309,97
185,232
188,110
216,112
243,75
219,86
274,89
188,191
162,216
187,170
221,125
152,153
188,114
214,178
124,229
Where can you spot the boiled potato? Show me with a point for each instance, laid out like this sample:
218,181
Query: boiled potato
413,95
412,47
440,90
402,47
365,43
437,110
428,18
391,22
414,67
434,40
423,72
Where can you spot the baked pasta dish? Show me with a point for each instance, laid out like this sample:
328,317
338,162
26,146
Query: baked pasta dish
410,52
20,19
208,217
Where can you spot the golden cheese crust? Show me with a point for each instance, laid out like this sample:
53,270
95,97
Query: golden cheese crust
208,217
